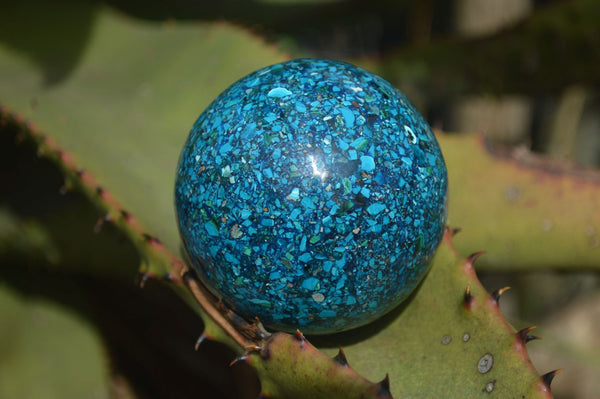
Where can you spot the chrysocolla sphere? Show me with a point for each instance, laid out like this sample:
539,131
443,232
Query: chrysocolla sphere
311,194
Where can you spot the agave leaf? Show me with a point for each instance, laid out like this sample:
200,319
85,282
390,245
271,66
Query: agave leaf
526,212
58,251
442,341
450,340
465,331
126,109
124,115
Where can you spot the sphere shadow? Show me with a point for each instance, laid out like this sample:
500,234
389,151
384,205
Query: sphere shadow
359,334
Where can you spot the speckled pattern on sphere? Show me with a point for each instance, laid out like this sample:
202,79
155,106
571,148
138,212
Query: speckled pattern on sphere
311,194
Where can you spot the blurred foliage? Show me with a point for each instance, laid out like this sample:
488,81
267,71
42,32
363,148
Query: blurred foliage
28,355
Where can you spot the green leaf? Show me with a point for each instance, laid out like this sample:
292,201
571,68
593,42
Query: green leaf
127,108
48,351
450,340
525,212
123,112
433,342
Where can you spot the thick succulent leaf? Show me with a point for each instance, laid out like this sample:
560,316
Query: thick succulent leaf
442,341
456,335
125,110
57,251
290,367
450,340
124,115
525,212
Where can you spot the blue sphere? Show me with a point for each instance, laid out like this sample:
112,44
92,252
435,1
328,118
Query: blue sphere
311,194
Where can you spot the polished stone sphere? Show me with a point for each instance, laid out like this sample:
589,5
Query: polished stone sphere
311,194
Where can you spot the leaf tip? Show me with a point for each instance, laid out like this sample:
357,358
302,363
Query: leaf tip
241,358
340,358
454,231
473,257
168,278
246,355
203,337
549,377
125,215
142,277
498,293
467,298
384,388
523,334
299,336
151,239
100,223
100,191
